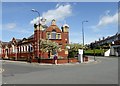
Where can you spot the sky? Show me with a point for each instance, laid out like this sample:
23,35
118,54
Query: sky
102,17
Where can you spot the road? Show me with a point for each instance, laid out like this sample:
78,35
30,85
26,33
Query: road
104,71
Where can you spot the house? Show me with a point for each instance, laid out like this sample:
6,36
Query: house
112,42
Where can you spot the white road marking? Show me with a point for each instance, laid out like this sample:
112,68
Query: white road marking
1,70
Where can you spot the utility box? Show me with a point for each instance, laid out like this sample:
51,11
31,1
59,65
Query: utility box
80,56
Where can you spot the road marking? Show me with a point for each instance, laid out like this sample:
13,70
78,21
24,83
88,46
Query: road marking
1,70
97,62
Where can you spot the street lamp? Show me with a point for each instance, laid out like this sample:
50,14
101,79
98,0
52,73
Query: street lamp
83,34
83,30
38,35
36,11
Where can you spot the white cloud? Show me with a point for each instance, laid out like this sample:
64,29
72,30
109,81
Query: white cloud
59,13
10,26
57,5
108,19
22,31
105,20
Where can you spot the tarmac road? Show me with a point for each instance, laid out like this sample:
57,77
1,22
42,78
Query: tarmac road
103,71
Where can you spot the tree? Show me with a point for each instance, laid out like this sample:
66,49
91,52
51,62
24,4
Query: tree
48,46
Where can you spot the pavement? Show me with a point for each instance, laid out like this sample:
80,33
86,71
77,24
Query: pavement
90,61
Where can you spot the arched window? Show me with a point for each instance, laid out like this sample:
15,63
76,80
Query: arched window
54,34
30,49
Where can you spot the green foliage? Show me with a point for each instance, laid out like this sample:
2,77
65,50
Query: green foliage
73,51
75,46
47,45
72,54
97,52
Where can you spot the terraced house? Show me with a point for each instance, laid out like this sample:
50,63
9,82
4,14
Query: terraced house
112,43
29,47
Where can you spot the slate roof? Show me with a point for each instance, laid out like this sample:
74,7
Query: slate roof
30,36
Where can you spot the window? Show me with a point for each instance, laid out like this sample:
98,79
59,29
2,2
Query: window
59,36
53,34
30,49
48,35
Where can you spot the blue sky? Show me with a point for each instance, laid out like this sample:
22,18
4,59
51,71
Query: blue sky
17,19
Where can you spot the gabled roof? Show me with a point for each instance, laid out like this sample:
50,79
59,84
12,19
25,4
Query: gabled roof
18,40
53,27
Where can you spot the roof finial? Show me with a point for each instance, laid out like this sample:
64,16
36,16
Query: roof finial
53,22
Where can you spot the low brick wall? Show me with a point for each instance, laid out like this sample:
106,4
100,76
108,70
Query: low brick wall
51,61
85,59
60,61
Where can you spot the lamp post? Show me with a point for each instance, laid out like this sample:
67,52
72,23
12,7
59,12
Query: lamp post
83,31
38,36
83,34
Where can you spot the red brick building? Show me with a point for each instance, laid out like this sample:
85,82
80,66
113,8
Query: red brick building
29,47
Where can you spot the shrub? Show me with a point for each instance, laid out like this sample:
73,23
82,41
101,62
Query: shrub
72,54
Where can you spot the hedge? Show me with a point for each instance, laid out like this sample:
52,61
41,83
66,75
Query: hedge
98,52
